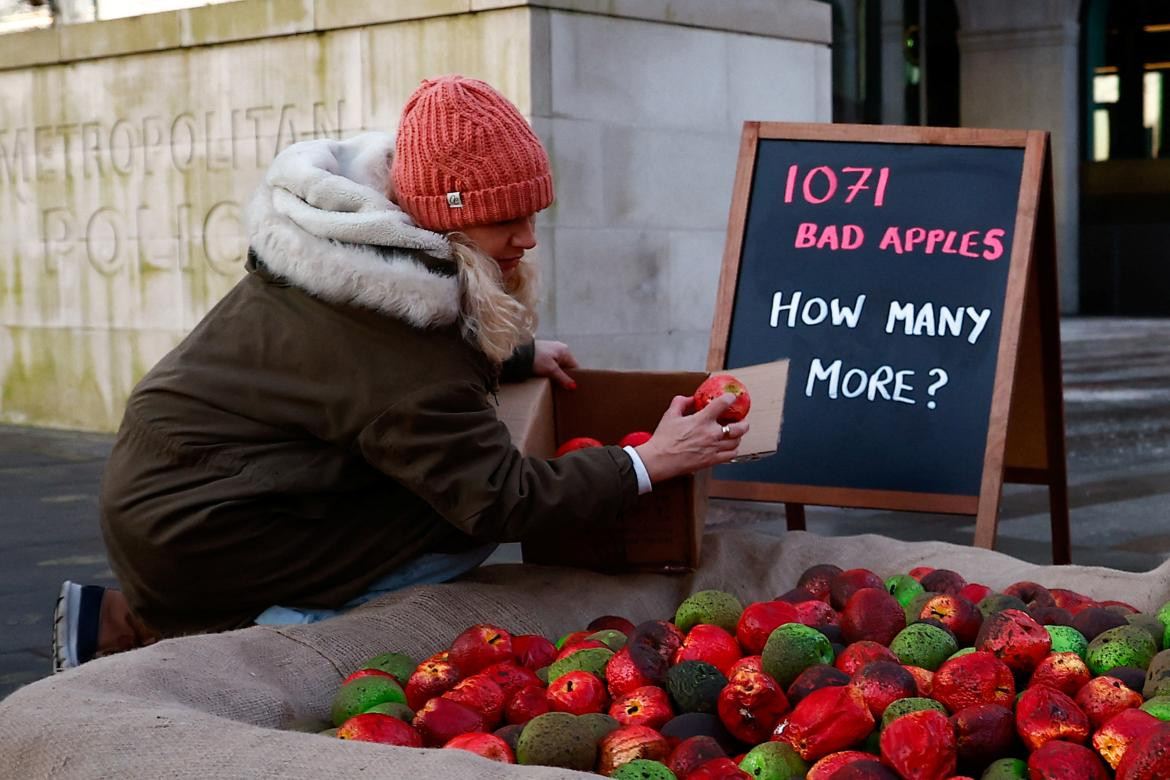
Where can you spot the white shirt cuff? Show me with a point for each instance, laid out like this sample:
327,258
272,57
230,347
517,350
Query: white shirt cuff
644,485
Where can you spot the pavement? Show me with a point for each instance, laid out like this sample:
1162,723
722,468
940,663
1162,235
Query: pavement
1117,397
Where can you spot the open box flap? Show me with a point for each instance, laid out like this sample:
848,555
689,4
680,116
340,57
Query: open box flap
766,383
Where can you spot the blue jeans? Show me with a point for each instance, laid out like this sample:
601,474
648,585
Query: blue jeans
426,569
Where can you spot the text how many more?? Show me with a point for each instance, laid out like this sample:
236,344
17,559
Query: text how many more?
924,319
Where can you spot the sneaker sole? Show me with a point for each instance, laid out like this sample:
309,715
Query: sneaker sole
65,616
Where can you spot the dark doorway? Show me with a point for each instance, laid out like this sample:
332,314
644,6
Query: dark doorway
1125,174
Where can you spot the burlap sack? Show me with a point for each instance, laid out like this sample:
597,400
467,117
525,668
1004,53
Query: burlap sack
214,706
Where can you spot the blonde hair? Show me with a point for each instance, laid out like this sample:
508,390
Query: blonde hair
498,311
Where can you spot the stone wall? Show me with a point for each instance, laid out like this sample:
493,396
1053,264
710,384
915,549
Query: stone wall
128,147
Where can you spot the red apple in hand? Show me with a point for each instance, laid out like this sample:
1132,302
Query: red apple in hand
578,443
634,439
717,385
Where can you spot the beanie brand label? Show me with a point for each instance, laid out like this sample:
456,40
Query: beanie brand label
455,200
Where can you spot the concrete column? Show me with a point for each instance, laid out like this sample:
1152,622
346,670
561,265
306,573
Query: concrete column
893,65
1019,69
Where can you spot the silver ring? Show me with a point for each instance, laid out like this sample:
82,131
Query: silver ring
727,431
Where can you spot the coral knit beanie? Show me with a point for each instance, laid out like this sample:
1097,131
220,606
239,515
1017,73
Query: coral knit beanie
465,156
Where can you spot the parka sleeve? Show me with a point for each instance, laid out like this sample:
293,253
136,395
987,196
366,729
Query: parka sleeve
445,444
519,367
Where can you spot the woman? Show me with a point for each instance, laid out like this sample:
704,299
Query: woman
328,431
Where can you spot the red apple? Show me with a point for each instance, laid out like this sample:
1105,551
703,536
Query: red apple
758,620
816,613
487,745
818,579
883,682
825,721
627,744
1071,600
510,676
1044,714
645,706
634,438
920,745
825,768
710,644
844,585
872,614
622,675
1057,760
360,673
480,646
974,678
432,678
975,592
691,753
1066,672
858,654
577,443
750,705
1103,697
923,678
918,572
577,693
440,720
718,769
956,613
373,727
533,651
716,386
1014,637
480,694
1116,734
526,704
749,663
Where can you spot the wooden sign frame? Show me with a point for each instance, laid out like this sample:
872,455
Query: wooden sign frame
1025,435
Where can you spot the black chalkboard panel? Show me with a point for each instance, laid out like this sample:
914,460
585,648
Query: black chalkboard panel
880,271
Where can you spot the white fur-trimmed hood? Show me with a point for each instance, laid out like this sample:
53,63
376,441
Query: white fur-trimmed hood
322,221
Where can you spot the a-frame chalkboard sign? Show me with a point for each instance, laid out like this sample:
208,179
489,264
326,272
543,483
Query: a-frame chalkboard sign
909,274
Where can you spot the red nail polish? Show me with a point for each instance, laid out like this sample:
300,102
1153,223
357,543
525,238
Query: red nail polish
571,386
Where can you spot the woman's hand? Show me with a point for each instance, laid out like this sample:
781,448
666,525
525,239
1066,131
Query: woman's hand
684,443
551,358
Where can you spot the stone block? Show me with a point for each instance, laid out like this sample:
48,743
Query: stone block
575,151
331,14
805,20
611,281
772,80
490,46
30,47
667,178
696,257
638,73
152,32
209,24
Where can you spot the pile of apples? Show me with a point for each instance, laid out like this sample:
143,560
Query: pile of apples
920,676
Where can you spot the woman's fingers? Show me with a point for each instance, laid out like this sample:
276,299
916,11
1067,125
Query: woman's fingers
716,408
679,406
557,374
567,360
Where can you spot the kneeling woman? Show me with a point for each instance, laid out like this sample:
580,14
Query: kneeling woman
328,432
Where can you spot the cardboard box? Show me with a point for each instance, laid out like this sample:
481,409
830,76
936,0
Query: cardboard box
665,529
